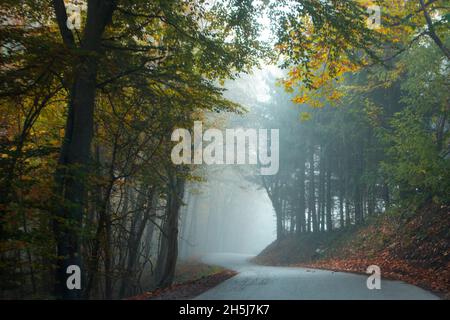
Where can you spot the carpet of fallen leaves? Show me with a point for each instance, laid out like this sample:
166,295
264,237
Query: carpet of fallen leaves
414,248
192,278
392,268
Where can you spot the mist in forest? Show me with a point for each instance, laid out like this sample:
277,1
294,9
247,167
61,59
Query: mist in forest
230,211
101,107
225,214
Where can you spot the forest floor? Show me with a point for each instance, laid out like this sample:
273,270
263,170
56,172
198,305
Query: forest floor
411,247
192,278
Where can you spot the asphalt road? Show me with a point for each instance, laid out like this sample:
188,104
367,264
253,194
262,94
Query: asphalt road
255,282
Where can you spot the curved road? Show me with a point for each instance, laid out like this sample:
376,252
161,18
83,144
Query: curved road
255,282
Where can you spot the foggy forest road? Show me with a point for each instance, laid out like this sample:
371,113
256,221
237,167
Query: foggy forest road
255,282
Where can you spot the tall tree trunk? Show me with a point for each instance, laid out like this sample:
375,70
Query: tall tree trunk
185,218
168,254
301,202
358,205
192,235
321,213
341,204
312,191
108,255
329,199
279,216
359,185
273,189
348,218
386,196
75,151
138,226
371,201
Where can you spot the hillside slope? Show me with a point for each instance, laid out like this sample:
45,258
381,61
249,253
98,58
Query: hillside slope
413,247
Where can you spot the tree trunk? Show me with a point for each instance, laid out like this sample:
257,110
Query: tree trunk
329,199
279,217
168,254
301,204
312,192
341,205
322,189
75,151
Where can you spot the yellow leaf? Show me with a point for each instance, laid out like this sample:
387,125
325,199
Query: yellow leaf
300,99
